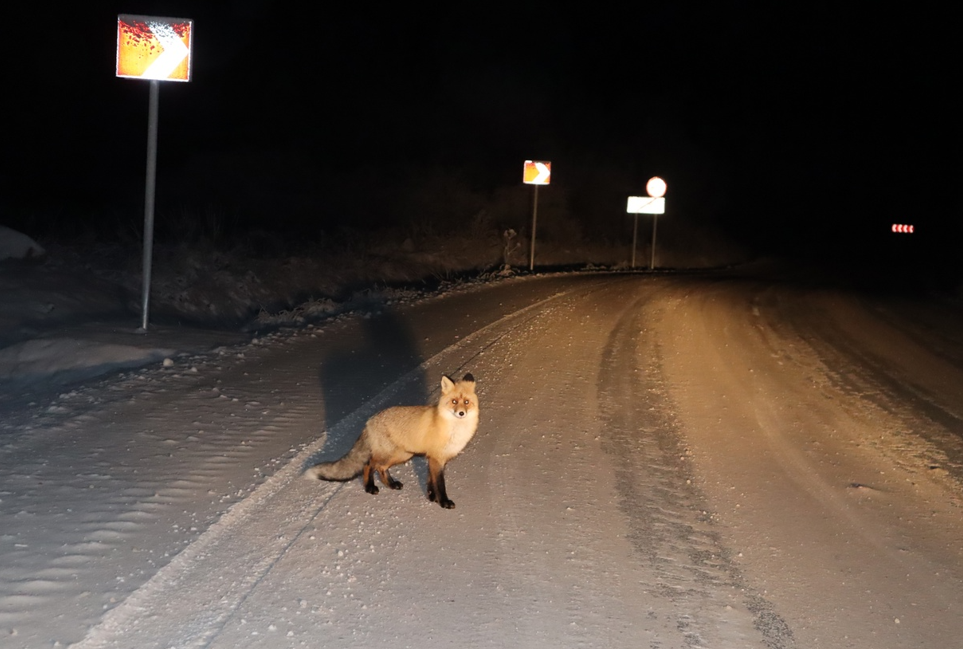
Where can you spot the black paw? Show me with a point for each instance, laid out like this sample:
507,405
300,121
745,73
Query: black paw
371,489
447,504
395,484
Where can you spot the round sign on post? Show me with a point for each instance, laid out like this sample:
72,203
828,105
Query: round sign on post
655,187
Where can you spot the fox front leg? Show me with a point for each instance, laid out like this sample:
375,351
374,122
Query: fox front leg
436,484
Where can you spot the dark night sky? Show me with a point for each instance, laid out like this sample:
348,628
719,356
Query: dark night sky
813,126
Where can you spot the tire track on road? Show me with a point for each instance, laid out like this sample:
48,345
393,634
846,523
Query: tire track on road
669,518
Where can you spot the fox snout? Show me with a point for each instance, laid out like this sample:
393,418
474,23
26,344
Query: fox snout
460,408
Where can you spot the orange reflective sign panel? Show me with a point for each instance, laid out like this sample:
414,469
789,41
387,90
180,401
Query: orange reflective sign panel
537,173
154,48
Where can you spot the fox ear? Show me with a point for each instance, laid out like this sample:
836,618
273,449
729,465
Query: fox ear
446,384
469,378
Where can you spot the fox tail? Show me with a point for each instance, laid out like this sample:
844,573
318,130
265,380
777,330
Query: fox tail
347,467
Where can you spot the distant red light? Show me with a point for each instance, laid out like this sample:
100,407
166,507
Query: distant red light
902,229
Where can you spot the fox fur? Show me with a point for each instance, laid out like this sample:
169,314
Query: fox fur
393,436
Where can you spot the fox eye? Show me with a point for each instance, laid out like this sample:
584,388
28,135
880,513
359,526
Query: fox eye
455,401
467,402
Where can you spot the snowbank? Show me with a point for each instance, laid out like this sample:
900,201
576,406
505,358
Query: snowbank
16,245
61,360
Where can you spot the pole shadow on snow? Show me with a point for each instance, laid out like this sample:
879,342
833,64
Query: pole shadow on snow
351,376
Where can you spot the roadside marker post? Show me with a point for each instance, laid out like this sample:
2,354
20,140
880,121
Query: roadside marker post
535,173
156,49
653,204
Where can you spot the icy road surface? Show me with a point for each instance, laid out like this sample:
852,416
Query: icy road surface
710,460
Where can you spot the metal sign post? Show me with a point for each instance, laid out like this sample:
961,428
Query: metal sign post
655,220
157,49
535,173
635,235
149,190
531,247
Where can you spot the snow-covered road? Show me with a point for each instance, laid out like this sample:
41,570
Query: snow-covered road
663,461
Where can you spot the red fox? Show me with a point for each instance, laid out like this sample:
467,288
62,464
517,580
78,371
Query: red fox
396,434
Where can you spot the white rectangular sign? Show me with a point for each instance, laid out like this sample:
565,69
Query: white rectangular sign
646,205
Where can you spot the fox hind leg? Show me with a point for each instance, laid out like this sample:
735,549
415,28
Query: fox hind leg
436,484
368,476
380,464
389,482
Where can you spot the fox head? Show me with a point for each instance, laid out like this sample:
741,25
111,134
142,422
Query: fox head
458,397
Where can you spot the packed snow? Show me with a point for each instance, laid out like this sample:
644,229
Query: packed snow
654,467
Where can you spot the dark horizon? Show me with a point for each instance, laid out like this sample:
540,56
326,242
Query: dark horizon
806,131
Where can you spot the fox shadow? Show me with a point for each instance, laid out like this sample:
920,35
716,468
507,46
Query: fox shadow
350,377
